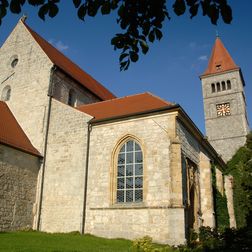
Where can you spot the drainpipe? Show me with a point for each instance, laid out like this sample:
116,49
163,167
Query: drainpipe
50,94
89,128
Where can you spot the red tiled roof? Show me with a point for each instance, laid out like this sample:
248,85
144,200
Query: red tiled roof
124,106
71,68
220,60
12,134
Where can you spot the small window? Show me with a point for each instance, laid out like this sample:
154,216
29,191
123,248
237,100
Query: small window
223,85
228,84
218,86
218,67
14,62
213,87
129,173
72,98
6,93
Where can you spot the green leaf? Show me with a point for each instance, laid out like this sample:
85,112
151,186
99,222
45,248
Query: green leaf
15,6
3,11
76,3
43,10
36,2
124,65
106,8
122,56
179,7
226,13
151,36
158,33
92,8
194,10
133,56
82,12
53,10
213,13
144,46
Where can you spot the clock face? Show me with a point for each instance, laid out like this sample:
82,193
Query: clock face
223,109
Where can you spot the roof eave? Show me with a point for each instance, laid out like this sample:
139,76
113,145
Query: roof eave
136,114
183,116
33,153
219,73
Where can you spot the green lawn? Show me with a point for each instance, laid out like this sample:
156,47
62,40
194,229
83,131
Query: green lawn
43,242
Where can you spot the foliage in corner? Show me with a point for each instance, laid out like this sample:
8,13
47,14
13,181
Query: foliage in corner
240,167
141,20
220,204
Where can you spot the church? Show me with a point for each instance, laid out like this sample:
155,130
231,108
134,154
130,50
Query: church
74,157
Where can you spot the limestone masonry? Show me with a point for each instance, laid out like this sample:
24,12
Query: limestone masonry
73,157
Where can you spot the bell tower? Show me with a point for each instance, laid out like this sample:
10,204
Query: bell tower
224,100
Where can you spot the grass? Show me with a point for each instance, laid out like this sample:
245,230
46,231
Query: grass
44,242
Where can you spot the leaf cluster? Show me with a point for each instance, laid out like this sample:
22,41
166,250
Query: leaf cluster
140,20
240,167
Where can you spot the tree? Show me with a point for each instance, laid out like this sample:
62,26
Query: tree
141,20
240,167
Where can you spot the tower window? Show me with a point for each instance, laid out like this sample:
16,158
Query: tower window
6,93
218,67
213,87
218,86
14,63
228,84
72,98
223,85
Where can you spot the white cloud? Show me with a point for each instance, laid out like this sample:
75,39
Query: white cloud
58,44
202,57
192,44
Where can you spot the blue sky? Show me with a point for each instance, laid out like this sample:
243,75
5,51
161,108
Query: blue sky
171,68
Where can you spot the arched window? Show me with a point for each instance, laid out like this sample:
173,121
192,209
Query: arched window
218,86
6,93
228,84
223,85
129,173
213,87
72,98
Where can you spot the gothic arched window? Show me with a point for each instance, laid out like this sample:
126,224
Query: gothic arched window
6,93
129,186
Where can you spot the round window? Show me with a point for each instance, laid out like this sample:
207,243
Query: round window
14,62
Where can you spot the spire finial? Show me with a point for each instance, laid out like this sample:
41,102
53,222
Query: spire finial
23,18
217,34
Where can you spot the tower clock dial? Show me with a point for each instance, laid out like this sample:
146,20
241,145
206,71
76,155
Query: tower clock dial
223,109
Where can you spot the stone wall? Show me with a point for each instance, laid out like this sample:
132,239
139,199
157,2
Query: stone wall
63,194
161,214
18,179
63,84
192,150
225,133
29,82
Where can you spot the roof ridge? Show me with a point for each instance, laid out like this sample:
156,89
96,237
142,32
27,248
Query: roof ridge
117,98
70,67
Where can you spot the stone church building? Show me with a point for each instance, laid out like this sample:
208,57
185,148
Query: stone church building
74,157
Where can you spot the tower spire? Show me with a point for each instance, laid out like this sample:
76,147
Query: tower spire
220,60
